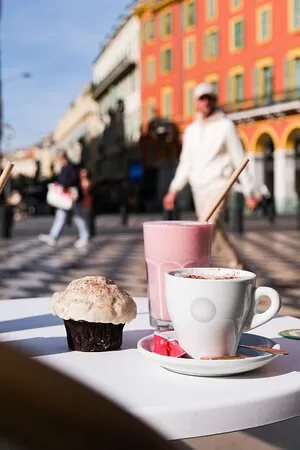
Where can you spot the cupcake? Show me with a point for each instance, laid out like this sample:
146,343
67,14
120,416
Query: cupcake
94,310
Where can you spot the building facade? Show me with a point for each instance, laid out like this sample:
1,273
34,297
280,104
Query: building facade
79,124
250,51
28,160
116,76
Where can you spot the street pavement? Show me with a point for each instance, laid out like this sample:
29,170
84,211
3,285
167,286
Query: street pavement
30,268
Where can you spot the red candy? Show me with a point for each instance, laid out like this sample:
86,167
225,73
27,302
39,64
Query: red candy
175,350
166,347
160,345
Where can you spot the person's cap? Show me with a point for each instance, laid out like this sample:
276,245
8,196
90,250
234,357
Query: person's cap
204,89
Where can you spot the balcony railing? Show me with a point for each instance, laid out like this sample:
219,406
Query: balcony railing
274,98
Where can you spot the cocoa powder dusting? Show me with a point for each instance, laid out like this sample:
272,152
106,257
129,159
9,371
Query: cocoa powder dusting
210,277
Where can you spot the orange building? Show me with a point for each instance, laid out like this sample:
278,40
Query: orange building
250,51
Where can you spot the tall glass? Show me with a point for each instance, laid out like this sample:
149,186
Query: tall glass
172,245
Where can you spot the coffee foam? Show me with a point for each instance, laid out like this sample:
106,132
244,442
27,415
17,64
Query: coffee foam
214,274
210,277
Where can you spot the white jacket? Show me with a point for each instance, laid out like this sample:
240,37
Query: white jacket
211,151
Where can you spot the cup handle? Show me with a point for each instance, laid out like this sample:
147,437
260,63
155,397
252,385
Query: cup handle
260,319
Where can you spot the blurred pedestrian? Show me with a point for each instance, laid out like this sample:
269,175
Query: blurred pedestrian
83,208
148,156
237,208
211,150
267,204
70,177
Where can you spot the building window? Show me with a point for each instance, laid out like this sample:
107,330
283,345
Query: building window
292,76
150,70
151,109
215,86
264,24
189,102
190,52
211,9
267,82
166,20
294,15
166,60
211,44
263,84
189,13
239,87
214,44
149,30
235,4
297,73
167,103
237,35
236,88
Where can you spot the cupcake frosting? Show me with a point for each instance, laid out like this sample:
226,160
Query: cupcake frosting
94,299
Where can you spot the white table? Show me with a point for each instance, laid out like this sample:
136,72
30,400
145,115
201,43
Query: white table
178,406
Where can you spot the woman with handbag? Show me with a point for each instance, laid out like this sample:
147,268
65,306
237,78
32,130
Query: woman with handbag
66,194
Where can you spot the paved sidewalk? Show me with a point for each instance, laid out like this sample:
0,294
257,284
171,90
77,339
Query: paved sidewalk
29,268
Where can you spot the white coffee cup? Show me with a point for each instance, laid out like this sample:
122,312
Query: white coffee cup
209,315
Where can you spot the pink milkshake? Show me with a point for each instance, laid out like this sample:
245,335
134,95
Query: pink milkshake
172,245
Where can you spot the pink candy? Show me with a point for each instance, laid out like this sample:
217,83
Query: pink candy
167,347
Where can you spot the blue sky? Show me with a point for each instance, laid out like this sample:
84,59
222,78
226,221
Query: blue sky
55,40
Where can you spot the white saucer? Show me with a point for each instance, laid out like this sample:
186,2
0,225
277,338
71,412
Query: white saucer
211,368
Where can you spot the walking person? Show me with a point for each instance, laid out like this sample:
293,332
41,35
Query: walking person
83,209
211,151
69,177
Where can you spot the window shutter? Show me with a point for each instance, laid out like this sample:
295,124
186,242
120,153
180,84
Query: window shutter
192,13
183,15
190,53
297,74
229,90
240,87
270,83
242,34
264,25
287,77
296,14
162,68
170,60
255,84
190,100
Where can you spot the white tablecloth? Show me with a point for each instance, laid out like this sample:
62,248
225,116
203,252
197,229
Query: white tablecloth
178,406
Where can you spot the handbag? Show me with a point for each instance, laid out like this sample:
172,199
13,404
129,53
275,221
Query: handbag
60,197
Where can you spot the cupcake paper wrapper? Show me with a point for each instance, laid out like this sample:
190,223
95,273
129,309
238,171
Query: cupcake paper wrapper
93,337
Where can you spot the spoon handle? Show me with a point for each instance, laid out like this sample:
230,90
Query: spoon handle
274,351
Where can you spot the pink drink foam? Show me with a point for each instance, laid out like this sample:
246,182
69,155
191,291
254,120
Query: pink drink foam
173,245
